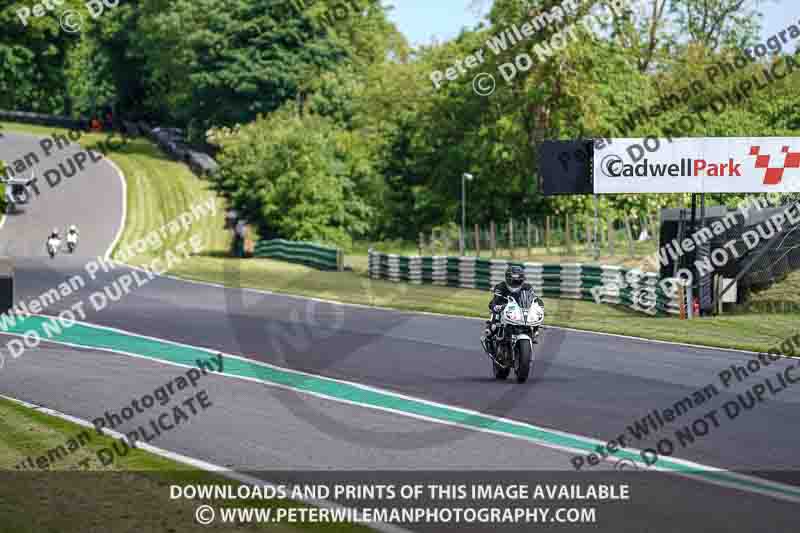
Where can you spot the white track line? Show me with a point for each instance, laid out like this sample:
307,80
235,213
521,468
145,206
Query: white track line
443,315
699,467
196,463
122,180
363,306
124,216
423,313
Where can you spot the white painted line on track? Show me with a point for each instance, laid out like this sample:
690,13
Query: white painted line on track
196,463
386,309
445,315
124,215
123,182
735,480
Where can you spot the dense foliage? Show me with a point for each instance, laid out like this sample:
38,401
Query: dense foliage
332,130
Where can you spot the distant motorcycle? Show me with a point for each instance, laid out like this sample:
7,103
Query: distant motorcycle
17,192
72,242
52,247
512,346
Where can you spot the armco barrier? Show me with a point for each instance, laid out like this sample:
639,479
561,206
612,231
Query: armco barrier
43,120
306,253
604,284
200,163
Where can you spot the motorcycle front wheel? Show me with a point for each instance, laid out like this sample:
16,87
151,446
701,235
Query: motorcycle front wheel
523,366
499,372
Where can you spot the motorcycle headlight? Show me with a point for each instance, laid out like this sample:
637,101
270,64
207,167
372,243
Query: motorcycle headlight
514,315
535,314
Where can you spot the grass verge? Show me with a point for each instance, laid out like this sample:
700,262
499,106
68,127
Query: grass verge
130,494
745,332
159,189
640,258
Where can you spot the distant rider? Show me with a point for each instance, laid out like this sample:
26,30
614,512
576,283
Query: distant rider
54,240
72,235
515,281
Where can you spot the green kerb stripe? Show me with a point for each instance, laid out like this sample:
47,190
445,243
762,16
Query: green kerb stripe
160,350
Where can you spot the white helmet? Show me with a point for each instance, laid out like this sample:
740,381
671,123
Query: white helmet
73,228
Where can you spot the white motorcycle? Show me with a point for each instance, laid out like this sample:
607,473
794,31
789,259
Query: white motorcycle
52,247
512,345
72,242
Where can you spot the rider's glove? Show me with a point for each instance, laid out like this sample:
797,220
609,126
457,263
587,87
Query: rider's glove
498,308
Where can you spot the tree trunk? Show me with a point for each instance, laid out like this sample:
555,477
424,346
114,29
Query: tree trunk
511,237
529,237
493,238
629,235
567,235
611,237
547,233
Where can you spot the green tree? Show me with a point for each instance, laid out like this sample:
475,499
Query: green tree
298,178
33,57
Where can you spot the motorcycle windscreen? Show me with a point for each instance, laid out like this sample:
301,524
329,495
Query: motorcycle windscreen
525,298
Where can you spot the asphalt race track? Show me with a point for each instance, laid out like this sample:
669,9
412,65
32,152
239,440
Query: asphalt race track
589,385
91,199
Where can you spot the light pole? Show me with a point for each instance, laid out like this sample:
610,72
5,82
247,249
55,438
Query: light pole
464,178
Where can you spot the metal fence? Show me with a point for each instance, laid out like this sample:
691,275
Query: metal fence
603,284
517,238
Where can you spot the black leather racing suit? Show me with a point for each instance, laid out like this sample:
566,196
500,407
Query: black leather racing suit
499,298
501,292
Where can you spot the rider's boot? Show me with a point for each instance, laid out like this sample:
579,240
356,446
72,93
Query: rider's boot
487,339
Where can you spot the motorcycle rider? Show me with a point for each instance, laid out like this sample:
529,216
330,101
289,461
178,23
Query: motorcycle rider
54,240
514,282
72,235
